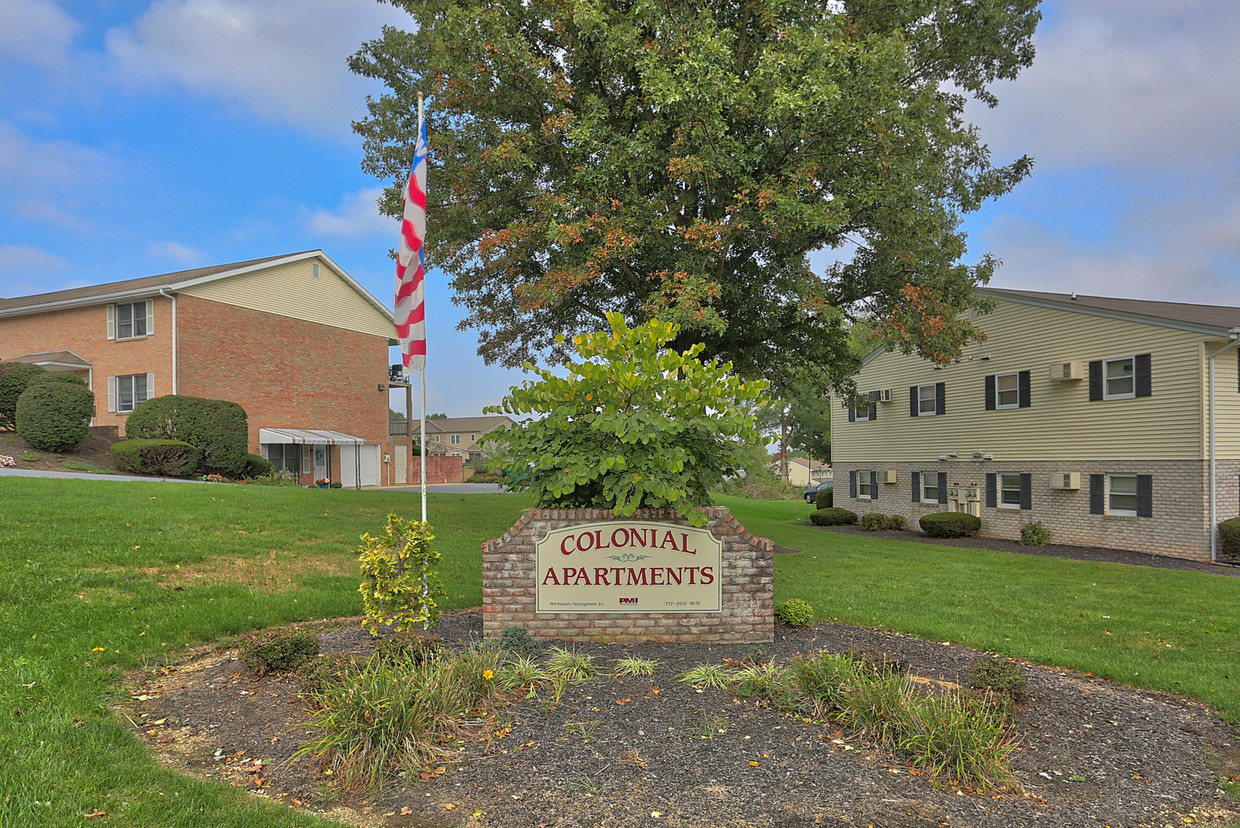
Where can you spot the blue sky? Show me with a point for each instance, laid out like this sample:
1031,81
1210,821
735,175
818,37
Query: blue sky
141,137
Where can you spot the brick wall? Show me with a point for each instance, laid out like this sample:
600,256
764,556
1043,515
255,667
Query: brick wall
1180,525
508,585
438,470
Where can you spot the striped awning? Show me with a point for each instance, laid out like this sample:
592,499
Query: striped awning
307,436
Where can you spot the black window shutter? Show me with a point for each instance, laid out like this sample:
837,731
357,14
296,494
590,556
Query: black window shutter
942,487
1097,494
916,487
874,406
940,398
1023,381
1095,385
913,406
1026,491
873,485
992,490
1145,495
852,484
852,415
990,392
1141,367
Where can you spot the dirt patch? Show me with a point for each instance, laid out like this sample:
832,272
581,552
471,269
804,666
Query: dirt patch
654,752
92,455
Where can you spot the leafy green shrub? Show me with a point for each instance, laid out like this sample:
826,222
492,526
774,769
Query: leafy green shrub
1034,534
826,498
950,524
399,584
279,649
633,425
55,416
1229,540
998,676
876,522
795,613
14,377
278,477
316,674
256,466
163,458
833,516
514,641
410,646
217,428
68,379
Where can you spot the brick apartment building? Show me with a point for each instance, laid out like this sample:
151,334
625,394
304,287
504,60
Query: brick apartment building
294,339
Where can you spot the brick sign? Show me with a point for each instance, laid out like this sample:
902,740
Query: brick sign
621,566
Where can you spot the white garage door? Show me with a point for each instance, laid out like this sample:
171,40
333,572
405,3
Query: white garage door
370,466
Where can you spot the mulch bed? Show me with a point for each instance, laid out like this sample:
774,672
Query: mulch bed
655,752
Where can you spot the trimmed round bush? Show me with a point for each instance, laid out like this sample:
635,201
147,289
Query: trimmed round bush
256,466
48,376
14,377
873,521
826,498
795,613
275,650
950,524
162,458
1034,534
217,428
1229,541
55,416
833,516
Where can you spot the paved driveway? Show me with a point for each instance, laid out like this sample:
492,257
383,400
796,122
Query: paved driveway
87,476
451,488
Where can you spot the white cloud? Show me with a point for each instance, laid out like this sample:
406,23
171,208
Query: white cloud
283,61
31,162
355,216
37,32
1133,84
177,253
27,268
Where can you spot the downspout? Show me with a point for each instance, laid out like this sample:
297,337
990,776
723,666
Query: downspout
163,291
1234,336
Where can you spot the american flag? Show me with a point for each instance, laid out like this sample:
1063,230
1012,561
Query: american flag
410,292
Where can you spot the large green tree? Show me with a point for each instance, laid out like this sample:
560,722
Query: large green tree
682,160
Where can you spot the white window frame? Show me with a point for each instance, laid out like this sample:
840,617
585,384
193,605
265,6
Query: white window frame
1009,485
1014,391
116,391
142,311
455,439
1131,377
922,400
927,487
864,492
1112,509
862,415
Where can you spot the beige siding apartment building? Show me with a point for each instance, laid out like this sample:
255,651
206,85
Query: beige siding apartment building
1113,422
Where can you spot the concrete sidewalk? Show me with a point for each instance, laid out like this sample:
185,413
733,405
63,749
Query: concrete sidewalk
6,472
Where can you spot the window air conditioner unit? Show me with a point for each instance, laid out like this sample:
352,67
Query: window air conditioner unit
1062,371
883,396
1065,480
889,476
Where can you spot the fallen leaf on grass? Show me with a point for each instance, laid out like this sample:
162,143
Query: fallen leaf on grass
406,811
95,814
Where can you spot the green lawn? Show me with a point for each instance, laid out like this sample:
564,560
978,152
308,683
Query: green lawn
98,577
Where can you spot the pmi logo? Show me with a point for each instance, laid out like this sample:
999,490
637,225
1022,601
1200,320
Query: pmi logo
628,600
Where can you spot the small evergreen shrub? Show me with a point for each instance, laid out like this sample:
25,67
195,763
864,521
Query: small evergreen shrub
1034,534
795,613
274,650
1229,540
217,428
998,676
826,498
14,377
833,516
162,458
876,522
950,524
256,466
517,641
55,416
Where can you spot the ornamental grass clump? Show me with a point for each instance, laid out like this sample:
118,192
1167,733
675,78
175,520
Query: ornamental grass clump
633,425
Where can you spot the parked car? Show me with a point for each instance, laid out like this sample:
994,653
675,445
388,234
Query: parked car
811,494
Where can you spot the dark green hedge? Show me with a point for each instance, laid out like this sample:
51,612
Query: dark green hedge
55,416
217,428
257,466
826,498
950,524
1229,541
163,458
833,517
14,377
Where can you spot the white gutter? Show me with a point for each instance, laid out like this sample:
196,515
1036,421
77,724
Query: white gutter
163,291
1234,336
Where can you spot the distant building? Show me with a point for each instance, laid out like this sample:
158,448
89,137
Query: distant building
294,339
1113,422
458,436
